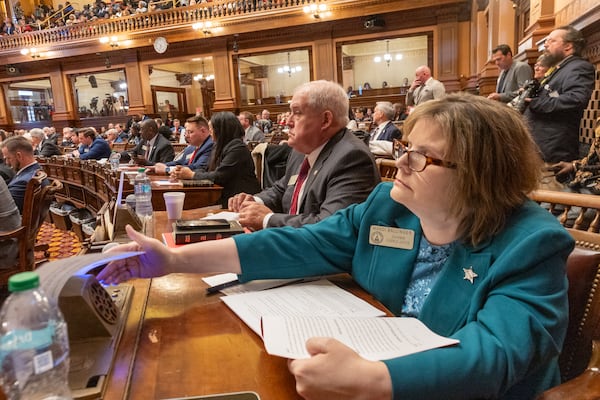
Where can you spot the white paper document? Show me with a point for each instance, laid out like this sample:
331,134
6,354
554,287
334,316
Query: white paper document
320,298
251,286
373,338
219,279
166,182
226,215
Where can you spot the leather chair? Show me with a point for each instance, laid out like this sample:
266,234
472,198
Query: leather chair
36,206
579,360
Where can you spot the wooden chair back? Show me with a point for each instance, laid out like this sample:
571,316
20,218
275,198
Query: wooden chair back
278,137
36,205
119,147
178,147
387,169
583,273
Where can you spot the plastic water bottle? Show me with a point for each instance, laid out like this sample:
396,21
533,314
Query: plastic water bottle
34,343
114,160
143,200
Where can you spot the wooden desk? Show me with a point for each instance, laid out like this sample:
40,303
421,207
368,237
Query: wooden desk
192,344
195,196
90,184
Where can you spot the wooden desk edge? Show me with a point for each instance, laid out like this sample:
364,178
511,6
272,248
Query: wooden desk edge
118,383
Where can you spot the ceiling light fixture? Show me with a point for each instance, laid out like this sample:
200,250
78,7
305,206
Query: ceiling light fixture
203,75
317,12
387,57
32,52
205,27
113,41
288,69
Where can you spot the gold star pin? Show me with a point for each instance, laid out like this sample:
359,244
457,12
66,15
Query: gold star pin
470,275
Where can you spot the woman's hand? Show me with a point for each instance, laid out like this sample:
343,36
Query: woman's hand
335,371
154,262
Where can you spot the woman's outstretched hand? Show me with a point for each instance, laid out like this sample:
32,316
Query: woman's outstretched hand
155,260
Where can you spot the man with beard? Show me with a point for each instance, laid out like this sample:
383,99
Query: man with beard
554,116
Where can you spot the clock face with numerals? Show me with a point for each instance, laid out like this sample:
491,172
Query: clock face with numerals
160,44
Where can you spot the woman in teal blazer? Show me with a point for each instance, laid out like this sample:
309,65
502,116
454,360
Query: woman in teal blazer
452,241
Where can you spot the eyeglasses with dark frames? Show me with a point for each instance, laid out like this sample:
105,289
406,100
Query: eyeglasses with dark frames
418,161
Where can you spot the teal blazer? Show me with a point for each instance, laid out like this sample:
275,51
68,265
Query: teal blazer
511,321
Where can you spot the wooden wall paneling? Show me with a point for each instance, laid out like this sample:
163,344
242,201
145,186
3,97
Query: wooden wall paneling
323,60
446,42
224,94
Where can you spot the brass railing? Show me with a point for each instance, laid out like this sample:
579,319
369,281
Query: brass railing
136,24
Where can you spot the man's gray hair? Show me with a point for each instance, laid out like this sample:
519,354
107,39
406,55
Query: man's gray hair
37,133
386,108
325,95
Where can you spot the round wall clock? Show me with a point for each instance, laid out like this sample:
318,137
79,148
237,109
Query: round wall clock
160,44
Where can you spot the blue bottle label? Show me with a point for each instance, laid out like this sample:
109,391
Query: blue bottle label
23,339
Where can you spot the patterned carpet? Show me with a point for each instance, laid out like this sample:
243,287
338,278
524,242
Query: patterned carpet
61,243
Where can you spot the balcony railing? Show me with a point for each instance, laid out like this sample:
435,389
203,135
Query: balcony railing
217,10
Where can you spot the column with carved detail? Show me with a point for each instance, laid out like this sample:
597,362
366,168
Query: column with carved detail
224,95
139,93
62,97
5,115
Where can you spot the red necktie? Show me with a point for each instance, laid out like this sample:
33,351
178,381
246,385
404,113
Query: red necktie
192,157
299,181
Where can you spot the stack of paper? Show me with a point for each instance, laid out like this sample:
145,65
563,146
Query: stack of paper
285,317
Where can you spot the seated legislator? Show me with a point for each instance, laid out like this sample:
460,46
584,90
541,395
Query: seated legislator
152,148
251,132
328,169
196,155
382,117
10,219
482,263
231,164
6,172
92,146
18,154
41,145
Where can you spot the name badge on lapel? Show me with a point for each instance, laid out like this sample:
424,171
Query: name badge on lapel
392,237
293,180
144,147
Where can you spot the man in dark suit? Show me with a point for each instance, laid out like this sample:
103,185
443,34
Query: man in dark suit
153,148
555,114
196,155
382,117
41,145
328,169
513,74
18,154
92,146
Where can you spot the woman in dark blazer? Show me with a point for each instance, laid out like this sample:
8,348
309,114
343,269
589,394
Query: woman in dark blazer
230,164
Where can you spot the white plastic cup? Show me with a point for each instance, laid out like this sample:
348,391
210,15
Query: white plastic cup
174,204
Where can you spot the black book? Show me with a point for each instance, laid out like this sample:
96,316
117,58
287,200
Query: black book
186,236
